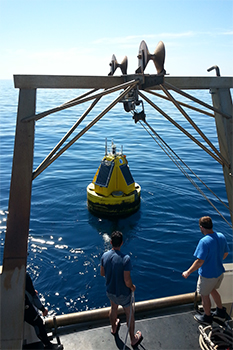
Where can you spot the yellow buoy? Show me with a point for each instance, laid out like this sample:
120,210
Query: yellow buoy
113,192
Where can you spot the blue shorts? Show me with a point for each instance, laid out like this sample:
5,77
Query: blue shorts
122,300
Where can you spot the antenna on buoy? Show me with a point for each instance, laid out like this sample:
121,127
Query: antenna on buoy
113,148
106,146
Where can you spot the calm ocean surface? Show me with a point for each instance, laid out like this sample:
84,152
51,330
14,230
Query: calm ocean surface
66,241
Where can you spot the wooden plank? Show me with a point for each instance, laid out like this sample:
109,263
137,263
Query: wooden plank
16,240
102,82
65,82
198,83
21,182
222,100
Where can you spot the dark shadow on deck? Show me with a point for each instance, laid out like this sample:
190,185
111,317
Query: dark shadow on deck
172,328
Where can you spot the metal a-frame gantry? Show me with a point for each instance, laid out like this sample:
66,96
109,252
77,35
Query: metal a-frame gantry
16,239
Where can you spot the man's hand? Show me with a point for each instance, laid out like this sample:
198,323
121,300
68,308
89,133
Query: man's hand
195,266
133,288
45,312
185,274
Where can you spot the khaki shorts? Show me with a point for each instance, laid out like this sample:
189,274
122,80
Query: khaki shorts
206,285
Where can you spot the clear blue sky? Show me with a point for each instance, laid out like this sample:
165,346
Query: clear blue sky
78,37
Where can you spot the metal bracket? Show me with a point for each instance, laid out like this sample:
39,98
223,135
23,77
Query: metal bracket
145,81
216,69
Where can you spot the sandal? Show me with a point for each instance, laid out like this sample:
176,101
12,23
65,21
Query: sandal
117,328
139,337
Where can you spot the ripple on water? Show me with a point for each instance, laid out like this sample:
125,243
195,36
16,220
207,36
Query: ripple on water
66,242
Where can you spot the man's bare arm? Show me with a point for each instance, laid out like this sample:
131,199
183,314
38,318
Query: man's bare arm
195,266
128,281
102,272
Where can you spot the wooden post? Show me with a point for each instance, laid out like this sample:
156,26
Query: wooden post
222,100
15,251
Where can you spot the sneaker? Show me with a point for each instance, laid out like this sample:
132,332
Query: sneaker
204,319
220,313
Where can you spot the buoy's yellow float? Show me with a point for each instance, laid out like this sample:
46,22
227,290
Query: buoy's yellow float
113,192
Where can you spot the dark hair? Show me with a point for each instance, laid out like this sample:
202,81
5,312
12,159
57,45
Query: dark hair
117,239
206,222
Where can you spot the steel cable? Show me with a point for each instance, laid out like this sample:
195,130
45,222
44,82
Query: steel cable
175,158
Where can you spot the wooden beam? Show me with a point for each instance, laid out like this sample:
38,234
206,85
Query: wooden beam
93,122
16,240
222,100
194,125
102,82
181,103
180,128
77,101
65,82
198,83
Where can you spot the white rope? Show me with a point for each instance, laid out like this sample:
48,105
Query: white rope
132,304
212,338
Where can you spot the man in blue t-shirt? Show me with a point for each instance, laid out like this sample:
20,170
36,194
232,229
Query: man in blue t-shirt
116,267
211,250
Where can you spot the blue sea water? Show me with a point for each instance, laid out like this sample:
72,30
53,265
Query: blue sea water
66,241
